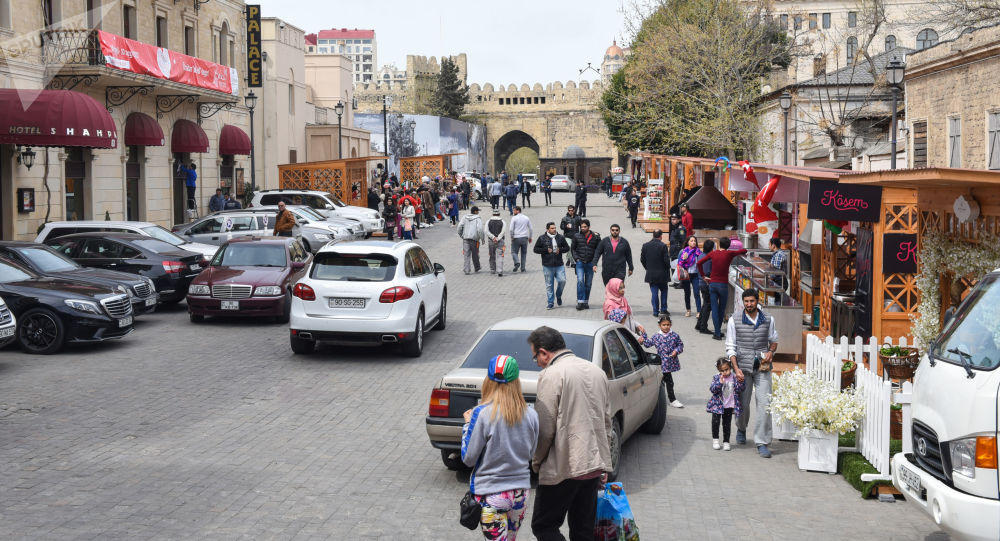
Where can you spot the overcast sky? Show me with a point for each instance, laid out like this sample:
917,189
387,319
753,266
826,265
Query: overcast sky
507,41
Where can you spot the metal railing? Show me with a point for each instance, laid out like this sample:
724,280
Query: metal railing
71,47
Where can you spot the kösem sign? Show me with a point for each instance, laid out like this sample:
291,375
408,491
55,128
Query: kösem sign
899,253
830,200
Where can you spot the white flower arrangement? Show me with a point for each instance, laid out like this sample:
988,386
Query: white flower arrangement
812,404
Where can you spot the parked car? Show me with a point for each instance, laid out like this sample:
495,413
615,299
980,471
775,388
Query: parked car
638,400
8,325
313,229
325,203
52,230
532,179
53,311
563,183
170,268
369,293
250,276
47,261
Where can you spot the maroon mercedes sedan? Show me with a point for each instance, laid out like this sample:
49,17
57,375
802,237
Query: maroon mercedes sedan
249,276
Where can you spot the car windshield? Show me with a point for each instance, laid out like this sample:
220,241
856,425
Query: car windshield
48,260
154,245
160,233
10,273
515,344
354,267
974,331
299,214
248,254
336,200
308,213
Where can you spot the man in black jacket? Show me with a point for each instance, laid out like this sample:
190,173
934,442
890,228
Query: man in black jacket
655,258
570,225
617,255
581,199
551,245
584,246
678,239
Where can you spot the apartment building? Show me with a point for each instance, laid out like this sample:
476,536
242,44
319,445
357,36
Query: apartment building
359,46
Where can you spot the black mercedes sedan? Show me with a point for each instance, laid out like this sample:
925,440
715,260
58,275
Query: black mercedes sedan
53,311
46,261
170,268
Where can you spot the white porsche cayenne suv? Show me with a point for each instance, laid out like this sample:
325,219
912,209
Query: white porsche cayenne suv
370,292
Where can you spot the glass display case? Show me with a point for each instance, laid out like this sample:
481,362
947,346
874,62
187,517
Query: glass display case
754,270
654,200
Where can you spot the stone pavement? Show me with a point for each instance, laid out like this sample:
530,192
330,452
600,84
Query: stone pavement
186,431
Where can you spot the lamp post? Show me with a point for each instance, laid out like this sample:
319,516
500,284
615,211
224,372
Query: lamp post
386,104
339,109
251,102
894,76
786,103
26,157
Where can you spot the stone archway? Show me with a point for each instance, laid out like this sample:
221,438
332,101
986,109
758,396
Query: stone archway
508,143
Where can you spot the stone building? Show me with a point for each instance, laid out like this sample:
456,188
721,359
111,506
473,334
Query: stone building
329,83
148,122
358,46
614,61
953,102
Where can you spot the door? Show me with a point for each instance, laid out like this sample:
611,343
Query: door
208,231
649,376
131,260
625,387
436,289
423,281
863,300
180,194
101,253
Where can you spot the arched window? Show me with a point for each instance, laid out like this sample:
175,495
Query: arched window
890,42
926,38
224,44
852,49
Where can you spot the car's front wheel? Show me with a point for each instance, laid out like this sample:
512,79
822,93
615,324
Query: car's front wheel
453,460
616,448
301,346
656,421
41,332
286,309
415,346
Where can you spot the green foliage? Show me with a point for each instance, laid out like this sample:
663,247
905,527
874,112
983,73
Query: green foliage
852,465
452,95
522,160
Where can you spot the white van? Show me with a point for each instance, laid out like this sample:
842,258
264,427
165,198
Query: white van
951,472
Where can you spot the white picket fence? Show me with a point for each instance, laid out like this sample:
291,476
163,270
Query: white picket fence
825,358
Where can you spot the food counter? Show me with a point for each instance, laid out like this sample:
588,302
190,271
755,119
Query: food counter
755,270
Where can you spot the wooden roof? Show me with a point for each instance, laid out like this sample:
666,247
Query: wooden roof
927,178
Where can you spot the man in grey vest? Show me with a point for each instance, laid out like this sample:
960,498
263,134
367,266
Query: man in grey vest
496,229
751,340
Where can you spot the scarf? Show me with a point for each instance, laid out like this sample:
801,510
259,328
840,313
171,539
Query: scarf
552,239
612,300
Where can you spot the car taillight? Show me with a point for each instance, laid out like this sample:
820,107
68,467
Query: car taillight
304,292
439,403
173,267
395,294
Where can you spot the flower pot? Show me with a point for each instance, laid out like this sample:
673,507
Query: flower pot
818,451
783,430
900,367
847,377
896,424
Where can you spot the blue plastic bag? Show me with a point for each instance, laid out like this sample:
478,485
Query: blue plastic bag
615,521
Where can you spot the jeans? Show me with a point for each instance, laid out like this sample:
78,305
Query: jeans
719,293
659,292
519,251
548,197
495,201
688,285
727,422
558,276
584,281
762,425
668,381
706,307
510,204
572,497
470,249
526,199
496,255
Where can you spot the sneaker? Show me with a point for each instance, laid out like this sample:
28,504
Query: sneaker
467,273
549,307
716,337
741,437
656,314
499,275
586,306
715,444
516,266
688,314
725,446
524,269
677,404
763,451
559,301
579,306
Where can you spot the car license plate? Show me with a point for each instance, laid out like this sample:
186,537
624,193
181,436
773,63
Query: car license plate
910,479
125,322
347,302
195,267
230,305
151,301
6,333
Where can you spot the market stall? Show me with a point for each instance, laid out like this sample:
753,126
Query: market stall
413,168
347,178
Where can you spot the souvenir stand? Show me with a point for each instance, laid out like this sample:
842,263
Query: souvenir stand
347,178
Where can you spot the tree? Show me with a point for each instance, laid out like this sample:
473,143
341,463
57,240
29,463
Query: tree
522,160
452,95
960,15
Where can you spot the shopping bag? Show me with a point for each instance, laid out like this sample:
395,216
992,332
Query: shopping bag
615,521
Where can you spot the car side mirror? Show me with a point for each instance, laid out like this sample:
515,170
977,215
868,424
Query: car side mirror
438,268
653,358
298,265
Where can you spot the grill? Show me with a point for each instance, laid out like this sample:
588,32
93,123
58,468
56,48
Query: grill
5,315
141,290
232,291
118,306
929,454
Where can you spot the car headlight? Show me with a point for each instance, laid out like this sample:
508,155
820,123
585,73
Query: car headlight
149,282
269,291
199,289
83,306
963,456
125,290
322,236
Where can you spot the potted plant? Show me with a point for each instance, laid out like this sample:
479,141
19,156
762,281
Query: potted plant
899,362
896,422
820,413
847,373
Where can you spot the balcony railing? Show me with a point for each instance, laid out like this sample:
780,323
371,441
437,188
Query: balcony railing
71,47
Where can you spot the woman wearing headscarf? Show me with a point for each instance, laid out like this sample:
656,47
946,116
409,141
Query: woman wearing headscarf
617,309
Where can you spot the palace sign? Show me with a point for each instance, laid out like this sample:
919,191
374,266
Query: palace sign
255,68
848,202
137,57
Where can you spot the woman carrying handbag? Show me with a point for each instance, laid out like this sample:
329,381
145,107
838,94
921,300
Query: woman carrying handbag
498,441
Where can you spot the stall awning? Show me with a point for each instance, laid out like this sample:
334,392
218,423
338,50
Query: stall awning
54,118
188,137
233,140
142,130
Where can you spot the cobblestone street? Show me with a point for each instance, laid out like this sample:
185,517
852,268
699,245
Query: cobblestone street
184,431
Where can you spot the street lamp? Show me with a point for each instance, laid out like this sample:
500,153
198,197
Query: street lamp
26,157
785,100
894,72
251,102
386,104
339,109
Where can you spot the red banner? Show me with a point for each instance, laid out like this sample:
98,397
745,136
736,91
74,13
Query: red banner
137,57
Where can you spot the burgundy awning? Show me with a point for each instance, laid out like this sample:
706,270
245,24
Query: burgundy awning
54,118
233,140
142,130
188,137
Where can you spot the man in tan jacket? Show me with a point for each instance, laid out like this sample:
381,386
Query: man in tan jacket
573,452
284,222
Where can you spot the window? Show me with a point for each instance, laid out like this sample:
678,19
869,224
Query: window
189,41
819,65
926,38
129,26
100,249
51,12
232,54
852,19
920,144
797,22
293,156
93,13
852,49
890,42
993,141
631,347
161,31
955,142
224,44
614,356
826,21
783,21
291,99
813,21
211,225
323,50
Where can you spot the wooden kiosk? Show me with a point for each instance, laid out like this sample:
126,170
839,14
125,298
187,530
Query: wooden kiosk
347,178
413,168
